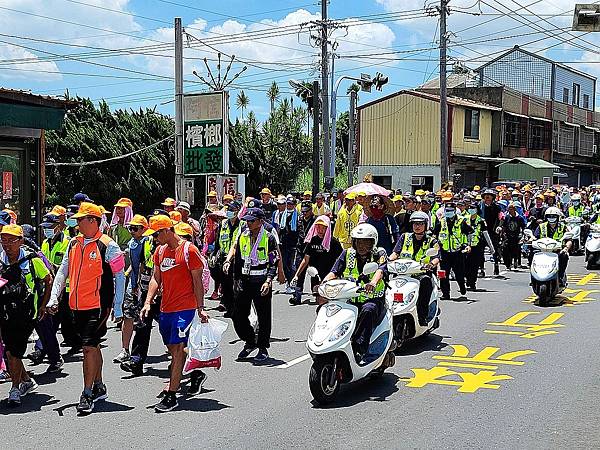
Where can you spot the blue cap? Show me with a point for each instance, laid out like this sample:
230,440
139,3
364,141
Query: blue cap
49,221
253,214
234,205
81,197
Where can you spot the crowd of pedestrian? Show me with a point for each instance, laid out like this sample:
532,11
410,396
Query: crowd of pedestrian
93,265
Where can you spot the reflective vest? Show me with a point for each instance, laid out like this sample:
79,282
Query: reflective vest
408,250
147,264
262,254
475,237
351,273
576,212
225,236
558,233
91,279
451,240
58,250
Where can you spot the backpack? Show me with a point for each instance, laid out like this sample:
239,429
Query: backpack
186,255
17,300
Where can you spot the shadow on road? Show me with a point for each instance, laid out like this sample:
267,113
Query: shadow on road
102,406
430,343
373,389
199,404
49,378
32,402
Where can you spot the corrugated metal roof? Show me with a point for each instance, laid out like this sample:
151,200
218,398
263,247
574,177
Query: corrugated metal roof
20,96
457,101
536,163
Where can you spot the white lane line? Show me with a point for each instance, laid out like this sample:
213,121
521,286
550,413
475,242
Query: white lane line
293,362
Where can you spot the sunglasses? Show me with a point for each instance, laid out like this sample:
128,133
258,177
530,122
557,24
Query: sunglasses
134,228
251,220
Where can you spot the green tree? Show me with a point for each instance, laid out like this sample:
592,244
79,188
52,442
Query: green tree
242,101
273,95
93,133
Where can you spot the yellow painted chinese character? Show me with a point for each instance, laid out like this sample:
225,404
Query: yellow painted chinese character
542,328
461,358
578,296
469,382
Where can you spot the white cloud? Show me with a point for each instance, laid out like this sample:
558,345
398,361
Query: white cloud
39,70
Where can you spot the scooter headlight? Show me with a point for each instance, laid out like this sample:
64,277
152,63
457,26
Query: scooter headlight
340,331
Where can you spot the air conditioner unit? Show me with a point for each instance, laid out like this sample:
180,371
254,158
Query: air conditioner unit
417,181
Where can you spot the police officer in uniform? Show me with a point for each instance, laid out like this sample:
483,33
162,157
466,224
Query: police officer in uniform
476,241
255,258
414,246
371,304
553,228
452,231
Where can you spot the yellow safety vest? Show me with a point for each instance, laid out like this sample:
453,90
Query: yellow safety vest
408,250
351,272
451,240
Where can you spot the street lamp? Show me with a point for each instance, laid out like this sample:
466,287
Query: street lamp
365,82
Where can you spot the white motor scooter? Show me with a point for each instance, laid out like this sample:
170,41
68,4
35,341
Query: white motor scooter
403,294
592,247
544,269
574,227
330,340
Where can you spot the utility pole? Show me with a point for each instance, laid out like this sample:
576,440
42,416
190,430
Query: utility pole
315,156
325,96
178,109
351,135
444,166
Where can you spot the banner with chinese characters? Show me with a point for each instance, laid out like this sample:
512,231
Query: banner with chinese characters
206,133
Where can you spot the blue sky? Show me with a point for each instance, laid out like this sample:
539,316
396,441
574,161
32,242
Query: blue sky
119,49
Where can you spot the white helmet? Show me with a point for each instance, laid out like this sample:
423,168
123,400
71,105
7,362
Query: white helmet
365,231
575,197
553,211
419,216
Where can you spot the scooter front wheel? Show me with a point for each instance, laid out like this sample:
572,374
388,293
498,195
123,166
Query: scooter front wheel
321,388
543,295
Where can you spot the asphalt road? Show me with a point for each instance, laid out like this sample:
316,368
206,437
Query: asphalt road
547,396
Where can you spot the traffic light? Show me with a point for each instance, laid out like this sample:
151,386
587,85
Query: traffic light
379,80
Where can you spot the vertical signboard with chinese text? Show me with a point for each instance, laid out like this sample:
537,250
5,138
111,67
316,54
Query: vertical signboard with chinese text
206,133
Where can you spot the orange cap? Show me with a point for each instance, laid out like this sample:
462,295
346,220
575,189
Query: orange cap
124,203
158,223
184,229
11,213
175,215
88,209
58,210
169,202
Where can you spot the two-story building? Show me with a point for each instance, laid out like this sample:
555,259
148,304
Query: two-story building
399,140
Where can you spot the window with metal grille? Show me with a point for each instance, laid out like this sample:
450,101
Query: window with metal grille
511,131
536,135
586,142
586,101
471,123
576,91
565,95
566,140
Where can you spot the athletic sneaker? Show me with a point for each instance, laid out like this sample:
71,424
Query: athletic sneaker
36,357
86,404
197,379
135,367
99,392
245,352
55,366
122,357
262,355
14,397
27,386
4,376
289,289
168,403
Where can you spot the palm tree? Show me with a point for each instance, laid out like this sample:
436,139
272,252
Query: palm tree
353,87
242,101
273,95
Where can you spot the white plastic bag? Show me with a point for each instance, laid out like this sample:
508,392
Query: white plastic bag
253,318
203,344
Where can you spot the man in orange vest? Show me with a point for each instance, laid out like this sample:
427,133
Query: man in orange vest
94,265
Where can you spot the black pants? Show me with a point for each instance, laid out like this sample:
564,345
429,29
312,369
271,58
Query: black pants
563,262
452,261
369,316
472,264
425,290
65,319
47,333
227,299
247,293
288,259
141,337
511,252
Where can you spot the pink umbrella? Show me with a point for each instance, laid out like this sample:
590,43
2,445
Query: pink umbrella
368,188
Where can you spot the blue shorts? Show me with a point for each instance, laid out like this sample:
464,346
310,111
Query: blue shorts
175,326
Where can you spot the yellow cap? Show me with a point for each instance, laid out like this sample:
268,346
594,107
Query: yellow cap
124,203
351,196
13,230
58,210
175,215
88,209
265,191
228,197
212,194
361,194
169,202
307,193
103,210
139,220
183,229
476,187
397,198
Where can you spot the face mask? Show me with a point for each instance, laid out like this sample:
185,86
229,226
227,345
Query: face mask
49,233
472,211
449,213
230,214
71,223
552,219
378,213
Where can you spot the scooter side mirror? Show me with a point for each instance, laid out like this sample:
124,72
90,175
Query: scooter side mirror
312,272
432,252
370,268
